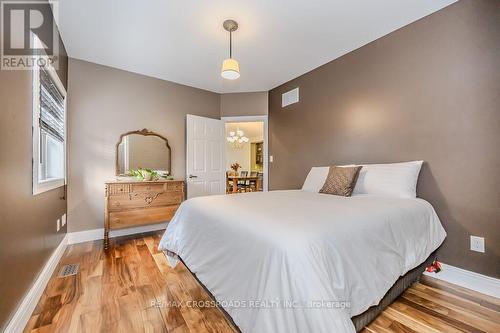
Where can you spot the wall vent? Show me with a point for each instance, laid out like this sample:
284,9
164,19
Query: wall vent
290,97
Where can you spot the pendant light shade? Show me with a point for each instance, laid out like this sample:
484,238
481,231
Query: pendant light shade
230,67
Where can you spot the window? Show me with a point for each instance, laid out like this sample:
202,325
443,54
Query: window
49,130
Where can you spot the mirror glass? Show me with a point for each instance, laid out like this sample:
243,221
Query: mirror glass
137,151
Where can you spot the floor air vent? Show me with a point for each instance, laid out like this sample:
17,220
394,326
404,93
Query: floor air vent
68,270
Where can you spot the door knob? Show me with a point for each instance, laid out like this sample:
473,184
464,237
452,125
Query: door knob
193,176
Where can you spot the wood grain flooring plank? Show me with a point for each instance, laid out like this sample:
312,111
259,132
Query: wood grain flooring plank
211,314
192,316
482,299
455,302
398,327
171,315
447,318
411,322
464,316
413,318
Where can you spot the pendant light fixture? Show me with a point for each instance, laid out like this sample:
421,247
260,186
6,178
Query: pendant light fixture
230,67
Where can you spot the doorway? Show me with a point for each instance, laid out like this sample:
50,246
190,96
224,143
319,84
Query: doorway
246,154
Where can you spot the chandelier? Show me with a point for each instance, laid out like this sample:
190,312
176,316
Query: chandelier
237,139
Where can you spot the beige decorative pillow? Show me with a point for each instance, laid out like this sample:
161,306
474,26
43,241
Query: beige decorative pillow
341,180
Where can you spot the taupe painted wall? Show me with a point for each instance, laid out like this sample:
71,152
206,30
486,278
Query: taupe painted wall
244,104
105,102
27,223
427,91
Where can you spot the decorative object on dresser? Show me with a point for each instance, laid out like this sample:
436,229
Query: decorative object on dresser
144,192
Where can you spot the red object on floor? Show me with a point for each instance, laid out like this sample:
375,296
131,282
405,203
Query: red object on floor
435,267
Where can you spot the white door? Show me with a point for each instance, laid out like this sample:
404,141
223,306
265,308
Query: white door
205,172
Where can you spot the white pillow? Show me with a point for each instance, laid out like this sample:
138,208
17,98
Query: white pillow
393,179
315,179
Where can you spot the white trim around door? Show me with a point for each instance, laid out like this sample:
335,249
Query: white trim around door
248,119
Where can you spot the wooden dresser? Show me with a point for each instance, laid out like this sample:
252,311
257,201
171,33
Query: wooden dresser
135,203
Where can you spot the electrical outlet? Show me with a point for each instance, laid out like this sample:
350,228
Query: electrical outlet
477,243
58,224
63,220
271,159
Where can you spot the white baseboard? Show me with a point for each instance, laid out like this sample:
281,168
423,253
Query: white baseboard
28,304
85,236
96,234
467,279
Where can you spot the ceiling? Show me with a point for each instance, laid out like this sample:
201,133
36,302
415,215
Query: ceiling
184,42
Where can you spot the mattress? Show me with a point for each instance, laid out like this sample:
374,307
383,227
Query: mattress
296,261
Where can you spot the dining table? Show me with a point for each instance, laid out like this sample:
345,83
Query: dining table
236,179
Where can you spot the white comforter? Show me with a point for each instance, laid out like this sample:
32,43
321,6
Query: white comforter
295,261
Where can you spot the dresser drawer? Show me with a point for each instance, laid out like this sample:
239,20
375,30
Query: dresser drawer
144,199
141,216
118,188
174,186
147,187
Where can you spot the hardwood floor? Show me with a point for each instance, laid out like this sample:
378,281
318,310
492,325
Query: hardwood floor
126,289
436,306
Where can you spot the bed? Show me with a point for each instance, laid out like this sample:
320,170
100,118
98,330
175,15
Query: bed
298,261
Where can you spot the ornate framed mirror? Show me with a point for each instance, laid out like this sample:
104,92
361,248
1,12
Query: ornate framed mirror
143,149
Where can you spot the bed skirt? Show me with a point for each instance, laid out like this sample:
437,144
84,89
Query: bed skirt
365,318
403,283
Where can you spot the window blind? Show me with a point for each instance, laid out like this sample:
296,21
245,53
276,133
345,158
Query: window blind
51,107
